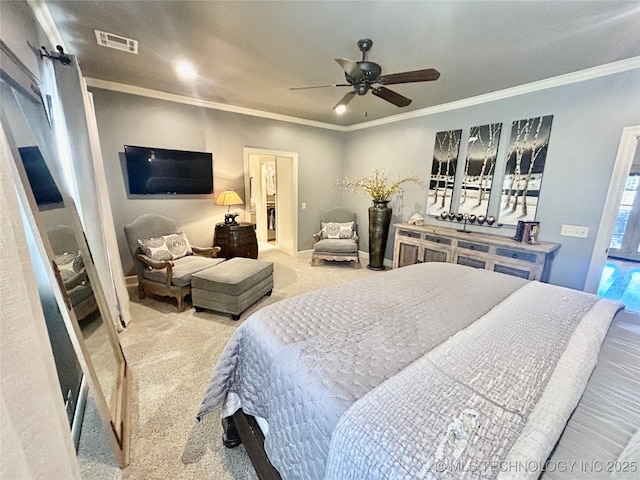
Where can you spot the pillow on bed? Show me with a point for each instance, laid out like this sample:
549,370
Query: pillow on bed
166,247
337,230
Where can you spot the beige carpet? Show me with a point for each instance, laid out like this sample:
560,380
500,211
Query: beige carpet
172,356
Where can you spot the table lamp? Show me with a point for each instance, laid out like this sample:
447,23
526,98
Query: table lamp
229,197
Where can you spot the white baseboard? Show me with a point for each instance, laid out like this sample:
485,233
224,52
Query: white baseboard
363,256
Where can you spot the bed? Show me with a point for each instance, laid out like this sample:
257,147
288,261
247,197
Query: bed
429,371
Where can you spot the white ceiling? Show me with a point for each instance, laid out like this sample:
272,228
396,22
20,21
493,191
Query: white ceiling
249,53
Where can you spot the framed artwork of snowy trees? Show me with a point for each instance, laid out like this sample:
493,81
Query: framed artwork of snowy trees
524,168
479,170
443,171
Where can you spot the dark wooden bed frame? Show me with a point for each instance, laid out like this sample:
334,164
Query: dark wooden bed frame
243,428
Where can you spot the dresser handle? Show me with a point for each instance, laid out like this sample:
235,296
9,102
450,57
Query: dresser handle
514,255
472,247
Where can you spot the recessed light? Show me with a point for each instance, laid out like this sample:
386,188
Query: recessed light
340,109
186,70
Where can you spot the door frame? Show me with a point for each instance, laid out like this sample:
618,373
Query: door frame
294,185
629,141
631,236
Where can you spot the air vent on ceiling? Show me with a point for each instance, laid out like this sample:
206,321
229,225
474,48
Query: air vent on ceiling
116,41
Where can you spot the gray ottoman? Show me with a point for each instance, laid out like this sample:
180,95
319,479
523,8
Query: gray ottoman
232,286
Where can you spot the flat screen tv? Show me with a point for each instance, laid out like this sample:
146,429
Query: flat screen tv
42,184
161,171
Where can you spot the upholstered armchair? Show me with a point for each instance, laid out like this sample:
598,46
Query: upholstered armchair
72,271
337,239
163,257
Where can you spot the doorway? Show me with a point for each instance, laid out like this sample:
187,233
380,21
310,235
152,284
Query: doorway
271,181
625,241
618,235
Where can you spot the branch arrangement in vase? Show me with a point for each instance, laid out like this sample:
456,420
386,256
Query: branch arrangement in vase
377,185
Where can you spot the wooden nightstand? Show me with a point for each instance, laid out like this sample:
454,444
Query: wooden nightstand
236,240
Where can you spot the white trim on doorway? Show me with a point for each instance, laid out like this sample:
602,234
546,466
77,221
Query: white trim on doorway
290,247
624,159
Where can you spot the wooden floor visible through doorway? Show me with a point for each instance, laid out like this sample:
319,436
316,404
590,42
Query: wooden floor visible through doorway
620,281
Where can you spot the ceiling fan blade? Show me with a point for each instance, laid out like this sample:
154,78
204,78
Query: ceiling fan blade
321,86
391,96
426,75
350,67
346,99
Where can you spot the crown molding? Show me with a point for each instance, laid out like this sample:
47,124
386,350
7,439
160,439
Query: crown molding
198,102
566,79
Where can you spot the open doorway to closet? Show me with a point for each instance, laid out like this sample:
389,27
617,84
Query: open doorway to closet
271,185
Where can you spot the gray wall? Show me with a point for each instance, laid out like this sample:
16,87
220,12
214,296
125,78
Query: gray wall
587,124
125,119
588,119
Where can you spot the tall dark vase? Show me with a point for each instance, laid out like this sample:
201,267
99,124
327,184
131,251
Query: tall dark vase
379,221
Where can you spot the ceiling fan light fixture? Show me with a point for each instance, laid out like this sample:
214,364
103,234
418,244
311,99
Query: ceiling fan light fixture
362,88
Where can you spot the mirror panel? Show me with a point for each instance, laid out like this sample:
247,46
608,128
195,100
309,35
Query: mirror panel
63,247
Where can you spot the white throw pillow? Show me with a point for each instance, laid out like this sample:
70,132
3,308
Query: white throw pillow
166,247
337,230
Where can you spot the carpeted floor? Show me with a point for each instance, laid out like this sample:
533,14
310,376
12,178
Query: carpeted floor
172,356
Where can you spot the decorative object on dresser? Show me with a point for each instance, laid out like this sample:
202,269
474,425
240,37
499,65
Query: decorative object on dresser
236,240
527,232
443,171
228,198
418,244
377,186
466,218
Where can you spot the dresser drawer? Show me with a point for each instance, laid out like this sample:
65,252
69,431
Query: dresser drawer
517,255
516,272
476,247
436,239
471,262
409,233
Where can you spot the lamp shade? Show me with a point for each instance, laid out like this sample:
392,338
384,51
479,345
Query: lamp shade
229,197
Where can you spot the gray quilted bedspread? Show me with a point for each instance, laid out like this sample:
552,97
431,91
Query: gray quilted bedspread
490,401
302,362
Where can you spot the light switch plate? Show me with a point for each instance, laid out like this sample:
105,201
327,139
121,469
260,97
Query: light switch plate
574,231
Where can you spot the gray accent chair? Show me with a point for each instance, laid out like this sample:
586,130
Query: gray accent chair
77,287
339,249
169,278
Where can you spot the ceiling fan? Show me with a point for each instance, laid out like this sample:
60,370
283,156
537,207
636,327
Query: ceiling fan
366,76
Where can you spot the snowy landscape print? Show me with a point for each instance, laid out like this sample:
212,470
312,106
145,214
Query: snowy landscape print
524,169
443,171
479,169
